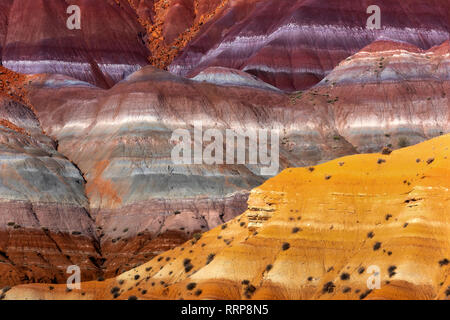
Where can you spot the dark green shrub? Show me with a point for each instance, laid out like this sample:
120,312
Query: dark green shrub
328,287
345,276
376,246
191,286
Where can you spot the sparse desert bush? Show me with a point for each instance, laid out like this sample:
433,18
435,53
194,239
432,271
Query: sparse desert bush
328,287
391,271
403,142
386,151
198,292
376,246
444,262
114,290
345,276
197,236
191,286
187,265
249,290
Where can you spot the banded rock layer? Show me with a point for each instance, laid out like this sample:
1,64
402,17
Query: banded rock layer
121,141
45,226
291,45
312,233
388,94
294,44
34,38
121,138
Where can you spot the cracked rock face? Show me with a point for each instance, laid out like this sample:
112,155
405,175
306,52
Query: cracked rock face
44,222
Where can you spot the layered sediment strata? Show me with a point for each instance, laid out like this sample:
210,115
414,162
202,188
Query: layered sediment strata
390,93
294,44
44,221
121,138
325,232
34,38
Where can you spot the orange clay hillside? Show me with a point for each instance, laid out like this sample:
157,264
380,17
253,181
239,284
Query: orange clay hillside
311,233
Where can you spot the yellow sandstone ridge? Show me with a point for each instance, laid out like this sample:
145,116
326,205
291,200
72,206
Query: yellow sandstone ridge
312,233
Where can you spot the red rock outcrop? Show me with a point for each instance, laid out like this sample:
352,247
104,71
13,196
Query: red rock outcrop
293,44
34,38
